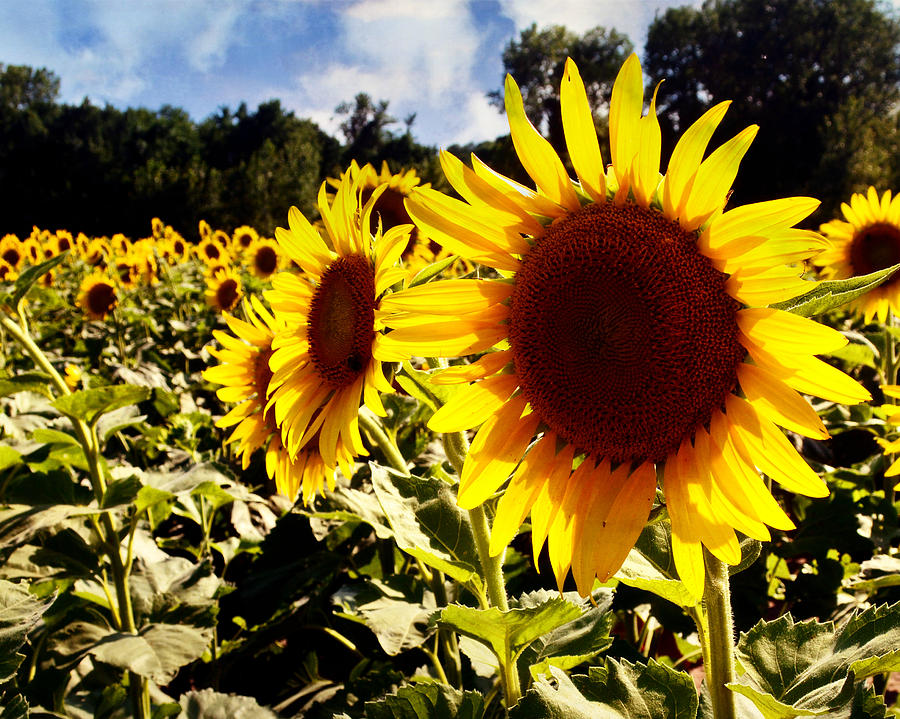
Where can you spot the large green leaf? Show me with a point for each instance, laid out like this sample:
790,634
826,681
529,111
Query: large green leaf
157,652
814,669
617,690
575,642
397,610
26,382
90,404
210,704
834,293
509,633
427,701
418,384
351,505
427,523
173,590
20,611
8,457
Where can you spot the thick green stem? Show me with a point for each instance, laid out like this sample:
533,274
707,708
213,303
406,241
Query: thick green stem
456,446
719,640
90,444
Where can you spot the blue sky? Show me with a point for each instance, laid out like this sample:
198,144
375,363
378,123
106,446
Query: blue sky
436,58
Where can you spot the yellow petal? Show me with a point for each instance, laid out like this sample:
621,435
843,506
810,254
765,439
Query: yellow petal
449,297
759,218
646,161
778,332
714,179
487,365
581,135
537,155
625,109
686,158
780,403
474,404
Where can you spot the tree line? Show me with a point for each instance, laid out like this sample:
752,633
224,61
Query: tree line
820,77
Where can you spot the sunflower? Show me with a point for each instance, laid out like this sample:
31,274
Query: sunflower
327,362
97,251
869,240
391,212
211,251
13,251
33,250
264,258
73,377
242,238
58,243
223,289
245,375
97,295
633,339
7,271
127,270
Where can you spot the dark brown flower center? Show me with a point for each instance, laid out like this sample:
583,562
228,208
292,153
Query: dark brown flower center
623,336
211,250
12,255
227,293
244,240
266,260
101,298
874,248
341,320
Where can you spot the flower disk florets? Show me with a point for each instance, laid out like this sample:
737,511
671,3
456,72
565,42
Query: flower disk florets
623,335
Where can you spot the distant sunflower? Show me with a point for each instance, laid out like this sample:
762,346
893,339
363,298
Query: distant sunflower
391,212
127,271
97,251
244,372
177,248
34,253
7,271
869,240
97,296
73,377
13,251
59,242
264,258
211,251
891,446
242,238
327,362
223,290
637,339
204,229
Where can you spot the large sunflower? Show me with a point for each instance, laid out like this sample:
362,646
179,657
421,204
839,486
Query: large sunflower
327,362
244,372
867,240
632,339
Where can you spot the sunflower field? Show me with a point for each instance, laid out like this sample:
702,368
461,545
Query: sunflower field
600,444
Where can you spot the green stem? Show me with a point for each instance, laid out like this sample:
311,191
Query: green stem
456,446
387,445
719,640
90,444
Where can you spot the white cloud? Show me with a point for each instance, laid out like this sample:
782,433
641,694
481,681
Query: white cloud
478,120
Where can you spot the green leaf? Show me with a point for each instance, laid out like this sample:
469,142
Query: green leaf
90,404
650,566
427,701
20,611
575,642
26,382
32,274
174,590
432,270
508,633
834,293
8,457
397,610
855,355
352,505
812,669
53,436
617,690
209,704
419,385
158,652
427,523
121,491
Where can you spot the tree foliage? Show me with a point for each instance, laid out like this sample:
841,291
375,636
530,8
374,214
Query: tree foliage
537,61
819,77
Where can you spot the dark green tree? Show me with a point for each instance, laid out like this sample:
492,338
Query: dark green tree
537,60
817,76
